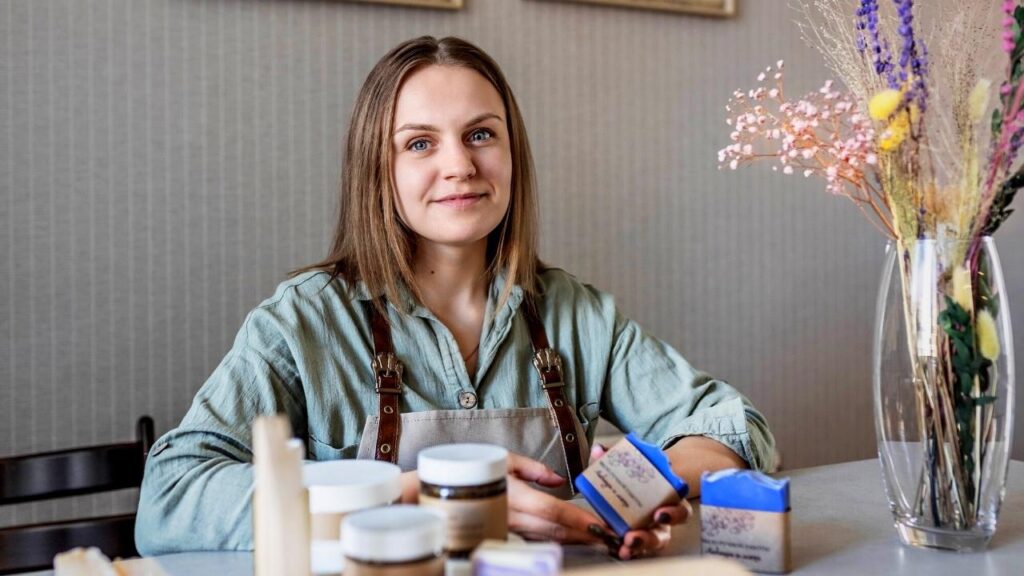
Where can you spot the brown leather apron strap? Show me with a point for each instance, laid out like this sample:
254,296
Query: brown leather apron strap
387,372
549,365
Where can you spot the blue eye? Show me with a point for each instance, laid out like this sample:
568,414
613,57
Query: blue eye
484,132
418,145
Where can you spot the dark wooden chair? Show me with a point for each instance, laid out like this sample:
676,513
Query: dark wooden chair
70,473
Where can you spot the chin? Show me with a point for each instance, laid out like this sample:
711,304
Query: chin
459,238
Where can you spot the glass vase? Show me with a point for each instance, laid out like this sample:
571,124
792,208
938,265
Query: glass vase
943,390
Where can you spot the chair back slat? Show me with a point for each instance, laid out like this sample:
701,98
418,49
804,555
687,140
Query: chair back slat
25,548
72,472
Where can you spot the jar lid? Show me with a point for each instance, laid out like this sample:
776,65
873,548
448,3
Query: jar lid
339,486
393,534
462,464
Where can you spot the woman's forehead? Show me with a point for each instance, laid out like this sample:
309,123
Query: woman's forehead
440,95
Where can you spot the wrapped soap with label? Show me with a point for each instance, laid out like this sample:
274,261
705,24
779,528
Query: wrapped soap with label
501,558
744,515
630,482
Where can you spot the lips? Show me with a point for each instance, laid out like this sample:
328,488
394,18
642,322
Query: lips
460,200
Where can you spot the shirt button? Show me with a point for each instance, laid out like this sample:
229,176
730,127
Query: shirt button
467,399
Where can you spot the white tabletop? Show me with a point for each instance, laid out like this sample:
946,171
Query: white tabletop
840,525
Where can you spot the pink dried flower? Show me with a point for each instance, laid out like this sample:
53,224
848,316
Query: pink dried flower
1008,22
819,134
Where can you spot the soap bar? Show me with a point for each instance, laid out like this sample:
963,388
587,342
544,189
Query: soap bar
83,562
500,558
92,562
744,516
629,483
664,566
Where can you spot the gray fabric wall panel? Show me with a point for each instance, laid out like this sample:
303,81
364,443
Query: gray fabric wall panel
166,162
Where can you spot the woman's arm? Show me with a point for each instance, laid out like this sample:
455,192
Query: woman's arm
693,455
651,390
197,490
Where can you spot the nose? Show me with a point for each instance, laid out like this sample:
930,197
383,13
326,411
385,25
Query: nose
458,163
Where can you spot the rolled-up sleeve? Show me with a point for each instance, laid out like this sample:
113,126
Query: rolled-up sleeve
197,488
653,391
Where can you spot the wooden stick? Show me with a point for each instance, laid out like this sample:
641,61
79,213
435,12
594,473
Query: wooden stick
280,501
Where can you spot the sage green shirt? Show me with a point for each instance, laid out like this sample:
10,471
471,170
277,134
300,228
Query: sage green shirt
306,352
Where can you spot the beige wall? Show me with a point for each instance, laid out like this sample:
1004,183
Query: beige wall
164,163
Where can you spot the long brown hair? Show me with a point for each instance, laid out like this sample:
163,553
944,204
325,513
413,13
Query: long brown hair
370,243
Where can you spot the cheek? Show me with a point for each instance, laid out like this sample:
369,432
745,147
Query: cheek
498,166
412,182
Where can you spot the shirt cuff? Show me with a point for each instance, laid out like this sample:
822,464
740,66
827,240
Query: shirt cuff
731,424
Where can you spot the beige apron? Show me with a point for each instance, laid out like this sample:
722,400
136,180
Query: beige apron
530,432
550,435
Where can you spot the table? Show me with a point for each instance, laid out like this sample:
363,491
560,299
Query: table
840,525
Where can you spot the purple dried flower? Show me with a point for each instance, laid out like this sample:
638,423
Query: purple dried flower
868,39
1015,144
912,60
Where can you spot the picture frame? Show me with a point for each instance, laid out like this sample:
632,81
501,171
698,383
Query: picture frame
443,4
716,8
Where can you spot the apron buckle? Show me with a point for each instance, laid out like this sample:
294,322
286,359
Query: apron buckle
549,366
389,373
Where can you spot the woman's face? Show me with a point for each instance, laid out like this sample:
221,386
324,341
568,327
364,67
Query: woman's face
452,157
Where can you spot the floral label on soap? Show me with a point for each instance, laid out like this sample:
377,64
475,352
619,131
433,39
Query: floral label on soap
630,484
756,539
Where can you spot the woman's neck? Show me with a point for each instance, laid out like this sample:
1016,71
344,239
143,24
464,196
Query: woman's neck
451,278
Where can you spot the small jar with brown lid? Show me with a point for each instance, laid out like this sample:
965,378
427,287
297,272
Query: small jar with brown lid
397,540
467,483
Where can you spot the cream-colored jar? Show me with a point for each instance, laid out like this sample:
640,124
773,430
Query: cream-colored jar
467,483
337,488
397,540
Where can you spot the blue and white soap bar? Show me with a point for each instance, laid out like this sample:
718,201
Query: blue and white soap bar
629,483
744,515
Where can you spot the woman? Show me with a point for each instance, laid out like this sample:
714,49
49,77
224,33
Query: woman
431,321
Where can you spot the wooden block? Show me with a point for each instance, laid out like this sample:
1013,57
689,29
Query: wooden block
281,528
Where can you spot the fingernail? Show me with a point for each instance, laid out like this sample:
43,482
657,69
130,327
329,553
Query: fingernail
664,518
598,531
610,540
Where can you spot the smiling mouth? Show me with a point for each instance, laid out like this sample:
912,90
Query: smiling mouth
460,200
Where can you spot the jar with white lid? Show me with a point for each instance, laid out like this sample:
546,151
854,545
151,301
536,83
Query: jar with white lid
466,482
397,540
337,488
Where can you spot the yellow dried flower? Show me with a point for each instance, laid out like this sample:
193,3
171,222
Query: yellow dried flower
884,103
978,100
962,288
896,133
988,337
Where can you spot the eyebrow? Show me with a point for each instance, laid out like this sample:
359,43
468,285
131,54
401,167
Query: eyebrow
429,128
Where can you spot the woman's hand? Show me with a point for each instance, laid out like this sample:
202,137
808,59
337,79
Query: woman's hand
640,543
410,482
537,515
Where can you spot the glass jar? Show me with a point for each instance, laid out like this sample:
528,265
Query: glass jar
467,483
399,540
337,488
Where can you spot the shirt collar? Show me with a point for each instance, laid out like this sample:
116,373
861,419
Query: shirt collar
414,308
